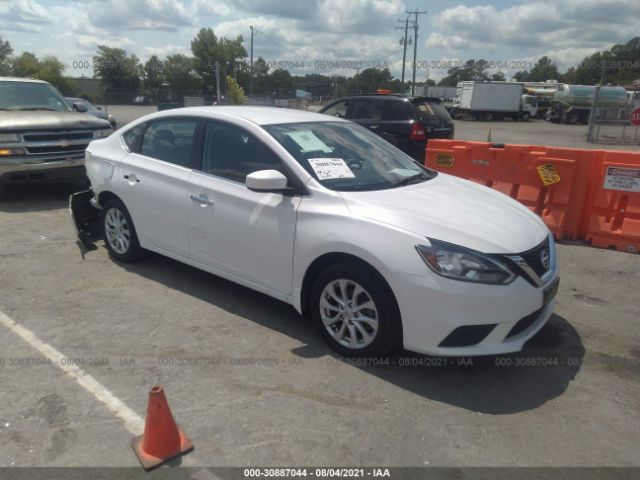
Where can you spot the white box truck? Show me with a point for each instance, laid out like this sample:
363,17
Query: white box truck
494,101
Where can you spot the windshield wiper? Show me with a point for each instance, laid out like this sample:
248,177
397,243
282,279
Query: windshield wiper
417,178
36,108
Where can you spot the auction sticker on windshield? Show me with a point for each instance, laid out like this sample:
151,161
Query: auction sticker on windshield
330,168
625,179
309,142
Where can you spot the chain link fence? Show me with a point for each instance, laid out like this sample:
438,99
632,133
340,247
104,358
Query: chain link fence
611,125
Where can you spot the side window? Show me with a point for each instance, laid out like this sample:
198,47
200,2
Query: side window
396,110
338,110
367,110
132,137
171,140
233,153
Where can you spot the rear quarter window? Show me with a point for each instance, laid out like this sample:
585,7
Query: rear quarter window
431,112
132,137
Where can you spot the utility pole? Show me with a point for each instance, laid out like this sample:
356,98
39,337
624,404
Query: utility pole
218,82
404,50
251,66
415,46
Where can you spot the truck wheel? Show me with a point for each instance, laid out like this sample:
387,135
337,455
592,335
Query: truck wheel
119,233
572,118
525,117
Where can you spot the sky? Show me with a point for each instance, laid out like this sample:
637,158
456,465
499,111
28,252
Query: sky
327,36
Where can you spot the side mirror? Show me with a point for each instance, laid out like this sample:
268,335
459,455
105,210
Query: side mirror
266,181
80,107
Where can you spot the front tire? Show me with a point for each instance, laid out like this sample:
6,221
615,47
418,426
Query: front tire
119,233
355,311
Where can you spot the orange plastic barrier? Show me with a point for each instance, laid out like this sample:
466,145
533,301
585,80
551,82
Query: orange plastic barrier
611,216
550,181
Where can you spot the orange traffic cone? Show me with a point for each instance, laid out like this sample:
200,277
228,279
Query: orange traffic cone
162,439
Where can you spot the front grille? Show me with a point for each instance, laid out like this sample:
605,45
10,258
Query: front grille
534,258
53,149
53,136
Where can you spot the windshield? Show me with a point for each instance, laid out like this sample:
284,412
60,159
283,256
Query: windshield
30,96
345,156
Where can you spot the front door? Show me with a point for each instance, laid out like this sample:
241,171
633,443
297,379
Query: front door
245,233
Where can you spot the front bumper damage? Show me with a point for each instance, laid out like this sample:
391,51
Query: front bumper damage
85,219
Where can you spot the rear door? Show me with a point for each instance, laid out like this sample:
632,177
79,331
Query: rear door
153,182
390,118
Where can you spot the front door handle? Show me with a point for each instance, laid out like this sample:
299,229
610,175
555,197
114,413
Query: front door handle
202,199
132,178
374,127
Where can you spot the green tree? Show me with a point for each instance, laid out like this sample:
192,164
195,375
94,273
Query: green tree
115,69
282,83
569,76
180,75
236,92
5,57
153,75
618,65
498,77
522,76
208,49
372,79
472,70
545,69
262,84
52,70
25,65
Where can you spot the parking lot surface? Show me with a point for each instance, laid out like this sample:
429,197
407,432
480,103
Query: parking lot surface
251,382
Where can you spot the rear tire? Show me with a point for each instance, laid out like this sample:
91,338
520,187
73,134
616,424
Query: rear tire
119,233
355,311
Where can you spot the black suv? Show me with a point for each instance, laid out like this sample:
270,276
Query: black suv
406,122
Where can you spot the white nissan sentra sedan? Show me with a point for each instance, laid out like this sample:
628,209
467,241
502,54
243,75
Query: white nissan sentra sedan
320,213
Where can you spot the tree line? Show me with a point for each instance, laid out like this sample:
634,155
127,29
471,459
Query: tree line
619,65
123,75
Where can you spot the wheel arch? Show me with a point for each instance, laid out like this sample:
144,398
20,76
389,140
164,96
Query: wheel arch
105,196
327,260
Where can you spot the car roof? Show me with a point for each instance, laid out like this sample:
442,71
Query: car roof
254,114
21,79
392,96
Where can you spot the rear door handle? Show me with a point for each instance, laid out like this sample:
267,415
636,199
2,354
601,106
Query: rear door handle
202,199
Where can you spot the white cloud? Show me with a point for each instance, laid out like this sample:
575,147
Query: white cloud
167,15
162,52
539,25
23,16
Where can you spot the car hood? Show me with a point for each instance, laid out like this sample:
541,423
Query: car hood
456,211
48,120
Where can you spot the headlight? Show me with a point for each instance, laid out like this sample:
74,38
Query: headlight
9,137
459,263
102,133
